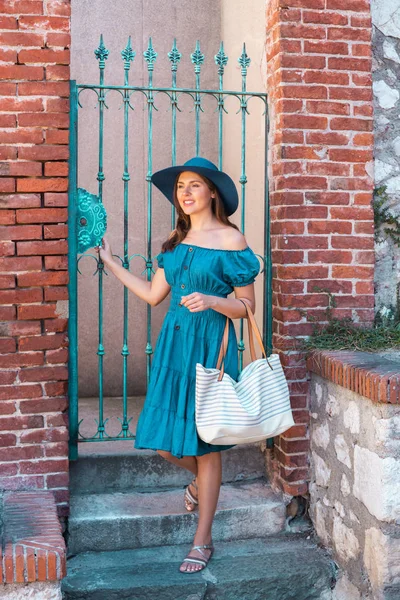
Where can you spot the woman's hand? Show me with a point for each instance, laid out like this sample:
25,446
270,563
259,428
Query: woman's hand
105,252
197,302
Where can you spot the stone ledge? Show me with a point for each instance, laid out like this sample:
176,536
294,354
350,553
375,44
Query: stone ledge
33,548
367,374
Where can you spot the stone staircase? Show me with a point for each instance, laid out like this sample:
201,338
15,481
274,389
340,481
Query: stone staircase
129,508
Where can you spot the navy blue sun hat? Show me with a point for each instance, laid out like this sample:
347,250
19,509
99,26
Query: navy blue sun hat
165,179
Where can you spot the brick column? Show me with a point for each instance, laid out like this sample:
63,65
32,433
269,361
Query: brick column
319,83
34,74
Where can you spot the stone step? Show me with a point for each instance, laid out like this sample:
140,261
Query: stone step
117,521
286,567
145,469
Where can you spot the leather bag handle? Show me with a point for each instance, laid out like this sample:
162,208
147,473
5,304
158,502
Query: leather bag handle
253,330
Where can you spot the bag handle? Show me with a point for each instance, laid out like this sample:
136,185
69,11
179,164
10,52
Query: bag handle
253,330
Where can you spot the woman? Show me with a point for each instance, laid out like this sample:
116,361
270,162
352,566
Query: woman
204,259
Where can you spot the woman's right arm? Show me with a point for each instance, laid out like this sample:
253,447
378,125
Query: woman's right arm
153,292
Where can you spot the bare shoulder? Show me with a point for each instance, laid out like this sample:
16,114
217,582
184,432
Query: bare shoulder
233,239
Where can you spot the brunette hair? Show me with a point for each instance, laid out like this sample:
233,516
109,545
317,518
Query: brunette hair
183,222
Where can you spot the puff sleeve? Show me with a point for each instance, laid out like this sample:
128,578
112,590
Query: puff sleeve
160,260
241,267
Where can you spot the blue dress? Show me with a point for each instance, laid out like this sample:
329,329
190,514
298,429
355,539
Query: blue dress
167,421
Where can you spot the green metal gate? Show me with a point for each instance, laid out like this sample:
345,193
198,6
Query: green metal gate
87,216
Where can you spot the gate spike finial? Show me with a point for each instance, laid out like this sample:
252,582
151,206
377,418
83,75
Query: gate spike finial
101,53
197,58
128,54
221,59
244,61
150,56
174,56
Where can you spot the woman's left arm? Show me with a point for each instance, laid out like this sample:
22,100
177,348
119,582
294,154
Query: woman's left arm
230,307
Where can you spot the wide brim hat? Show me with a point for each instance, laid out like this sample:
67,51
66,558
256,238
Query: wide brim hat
165,180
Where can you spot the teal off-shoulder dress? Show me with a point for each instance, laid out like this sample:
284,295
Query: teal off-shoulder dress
167,420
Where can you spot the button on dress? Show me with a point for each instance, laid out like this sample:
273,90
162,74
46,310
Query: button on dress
167,420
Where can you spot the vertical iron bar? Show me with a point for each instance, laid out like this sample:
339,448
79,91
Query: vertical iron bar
150,56
244,62
73,275
101,54
128,56
197,58
220,60
267,318
175,57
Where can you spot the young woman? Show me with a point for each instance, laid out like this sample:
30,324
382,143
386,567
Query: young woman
204,259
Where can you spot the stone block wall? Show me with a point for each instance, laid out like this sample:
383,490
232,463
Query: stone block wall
386,86
34,90
355,483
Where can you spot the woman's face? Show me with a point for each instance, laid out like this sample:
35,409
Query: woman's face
194,195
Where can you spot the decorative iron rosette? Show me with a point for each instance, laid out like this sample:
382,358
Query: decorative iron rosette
92,220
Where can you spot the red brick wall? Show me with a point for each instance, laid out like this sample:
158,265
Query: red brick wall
34,74
319,83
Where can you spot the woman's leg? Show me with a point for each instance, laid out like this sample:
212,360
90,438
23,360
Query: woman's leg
189,463
209,476
186,462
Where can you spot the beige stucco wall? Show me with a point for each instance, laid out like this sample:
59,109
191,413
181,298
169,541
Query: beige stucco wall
232,22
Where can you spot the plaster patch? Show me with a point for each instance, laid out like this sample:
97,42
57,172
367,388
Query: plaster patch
377,483
381,559
386,17
322,471
342,450
351,418
320,436
390,52
318,393
396,145
332,406
387,96
345,590
345,486
393,185
346,543
382,170
354,517
340,509
320,519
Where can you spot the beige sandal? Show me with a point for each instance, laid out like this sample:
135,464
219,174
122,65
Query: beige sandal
203,562
189,498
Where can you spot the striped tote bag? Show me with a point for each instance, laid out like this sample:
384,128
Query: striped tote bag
254,408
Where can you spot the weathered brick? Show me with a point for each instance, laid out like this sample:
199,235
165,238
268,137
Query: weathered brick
15,264
36,311
44,184
44,152
42,342
44,374
42,215
44,56
57,263
19,72
20,201
43,279
21,232
44,88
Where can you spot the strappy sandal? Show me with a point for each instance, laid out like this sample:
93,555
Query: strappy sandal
203,562
189,498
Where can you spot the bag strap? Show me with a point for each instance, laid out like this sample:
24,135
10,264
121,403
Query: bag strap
253,330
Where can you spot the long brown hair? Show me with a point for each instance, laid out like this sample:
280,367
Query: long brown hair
183,222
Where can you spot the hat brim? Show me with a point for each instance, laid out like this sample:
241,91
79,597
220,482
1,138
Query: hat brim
165,179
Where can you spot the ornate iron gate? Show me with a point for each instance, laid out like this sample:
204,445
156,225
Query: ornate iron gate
87,219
